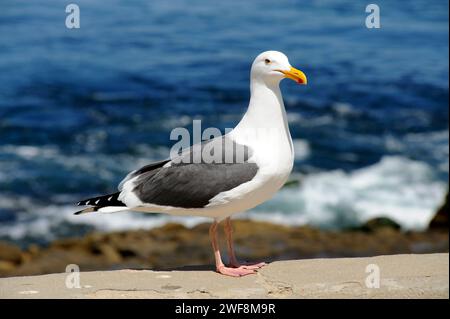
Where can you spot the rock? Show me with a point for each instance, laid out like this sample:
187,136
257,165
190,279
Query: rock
111,255
10,253
33,249
378,223
440,220
6,266
292,183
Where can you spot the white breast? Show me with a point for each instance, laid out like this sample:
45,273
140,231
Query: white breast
273,153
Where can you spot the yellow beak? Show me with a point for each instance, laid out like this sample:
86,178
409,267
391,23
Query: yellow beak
296,75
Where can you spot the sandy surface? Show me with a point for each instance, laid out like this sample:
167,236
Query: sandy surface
401,276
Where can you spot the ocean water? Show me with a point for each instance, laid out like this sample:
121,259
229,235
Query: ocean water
79,108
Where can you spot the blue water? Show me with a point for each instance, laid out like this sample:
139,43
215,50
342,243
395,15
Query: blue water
79,108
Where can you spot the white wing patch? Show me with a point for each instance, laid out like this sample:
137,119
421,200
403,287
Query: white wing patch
126,179
127,195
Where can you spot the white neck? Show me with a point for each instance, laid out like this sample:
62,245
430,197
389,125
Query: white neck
266,110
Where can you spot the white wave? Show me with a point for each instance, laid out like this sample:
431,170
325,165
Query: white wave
301,149
428,146
29,151
100,167
396,187
294,117
344,109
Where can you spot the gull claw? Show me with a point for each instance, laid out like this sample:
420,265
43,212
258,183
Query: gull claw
234,272
248,265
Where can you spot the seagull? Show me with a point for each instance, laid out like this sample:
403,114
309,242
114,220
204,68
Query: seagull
222,176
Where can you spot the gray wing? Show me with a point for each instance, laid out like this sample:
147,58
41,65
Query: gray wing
191,185
141,171
191,180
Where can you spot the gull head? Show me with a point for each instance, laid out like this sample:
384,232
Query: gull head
273,66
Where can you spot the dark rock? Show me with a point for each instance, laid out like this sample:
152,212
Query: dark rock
379,223
440,220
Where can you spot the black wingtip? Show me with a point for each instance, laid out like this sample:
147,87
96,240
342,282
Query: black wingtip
102,201
79,212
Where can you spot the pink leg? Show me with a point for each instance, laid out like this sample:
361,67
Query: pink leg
220,267
233,260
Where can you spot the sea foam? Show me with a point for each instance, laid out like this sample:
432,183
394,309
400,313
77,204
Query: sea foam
404,190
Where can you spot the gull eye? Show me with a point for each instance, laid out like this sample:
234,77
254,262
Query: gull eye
267,61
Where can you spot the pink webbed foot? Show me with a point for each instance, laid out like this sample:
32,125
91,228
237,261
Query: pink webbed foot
248,265
234,272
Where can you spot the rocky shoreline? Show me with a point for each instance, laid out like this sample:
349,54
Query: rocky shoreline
174,246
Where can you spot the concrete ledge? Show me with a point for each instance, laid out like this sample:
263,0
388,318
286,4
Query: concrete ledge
402,276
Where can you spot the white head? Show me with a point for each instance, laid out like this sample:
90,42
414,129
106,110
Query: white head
273,66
